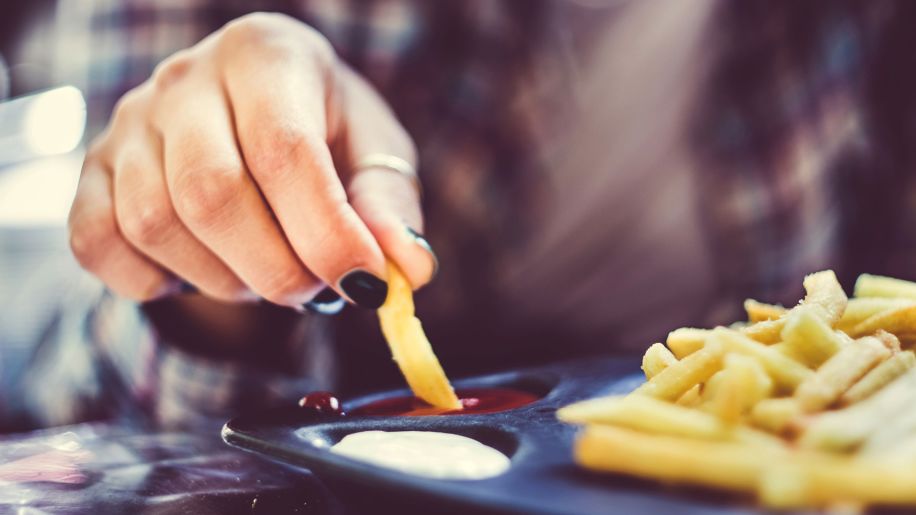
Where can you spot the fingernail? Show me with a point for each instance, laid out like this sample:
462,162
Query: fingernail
365,289
185,287
421,241
327,302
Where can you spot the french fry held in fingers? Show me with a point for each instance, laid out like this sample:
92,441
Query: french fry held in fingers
410,348
656,359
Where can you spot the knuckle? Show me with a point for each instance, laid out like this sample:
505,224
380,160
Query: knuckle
90,234
202,196
252,28
149,224
172,69
127,106
280,148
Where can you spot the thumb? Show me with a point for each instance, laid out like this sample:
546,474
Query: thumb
379,160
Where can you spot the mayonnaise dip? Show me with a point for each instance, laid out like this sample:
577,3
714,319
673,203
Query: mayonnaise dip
425,453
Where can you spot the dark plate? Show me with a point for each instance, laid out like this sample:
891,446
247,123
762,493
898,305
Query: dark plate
543,479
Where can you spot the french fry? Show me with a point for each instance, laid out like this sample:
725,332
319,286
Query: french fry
878,377
723,464
761,311
844,429
711,419
656,359
686,341
766,332
781,479
859,309
786,372
776,415
819,480
885,439
824,291
868,285
839,373
733,391
809,339
650,415
823,294
691,397
410,348
900,321
676,379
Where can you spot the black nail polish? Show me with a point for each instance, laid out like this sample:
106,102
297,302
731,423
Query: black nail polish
327,302
421,241
185,287
365,289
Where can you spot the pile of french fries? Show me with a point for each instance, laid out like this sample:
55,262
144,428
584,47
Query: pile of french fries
813,406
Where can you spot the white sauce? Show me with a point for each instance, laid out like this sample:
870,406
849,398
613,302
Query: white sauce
425,453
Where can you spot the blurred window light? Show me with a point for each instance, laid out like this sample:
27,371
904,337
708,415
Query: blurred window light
55,121
44,124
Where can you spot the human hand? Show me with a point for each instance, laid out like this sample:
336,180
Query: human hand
236,168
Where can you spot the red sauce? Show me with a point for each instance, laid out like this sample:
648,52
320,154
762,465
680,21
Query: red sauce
474,401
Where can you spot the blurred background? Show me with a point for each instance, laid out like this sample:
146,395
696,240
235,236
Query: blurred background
596,172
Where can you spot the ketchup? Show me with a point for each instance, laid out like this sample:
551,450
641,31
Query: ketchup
474,401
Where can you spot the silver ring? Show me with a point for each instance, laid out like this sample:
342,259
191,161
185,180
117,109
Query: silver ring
390,162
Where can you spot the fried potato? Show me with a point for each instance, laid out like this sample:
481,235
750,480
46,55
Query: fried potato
900,321
651,415
754,407
761,311
723,464
824,291
780,478
821,480
868,285
656,359
839,373
809,339
847,428
878,377
691,397
410,348
859,309
776,415
686,341
676,379
786,372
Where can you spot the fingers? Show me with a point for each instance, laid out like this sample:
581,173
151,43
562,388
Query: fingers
386,200
150,224
282,131
99,246
215,197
